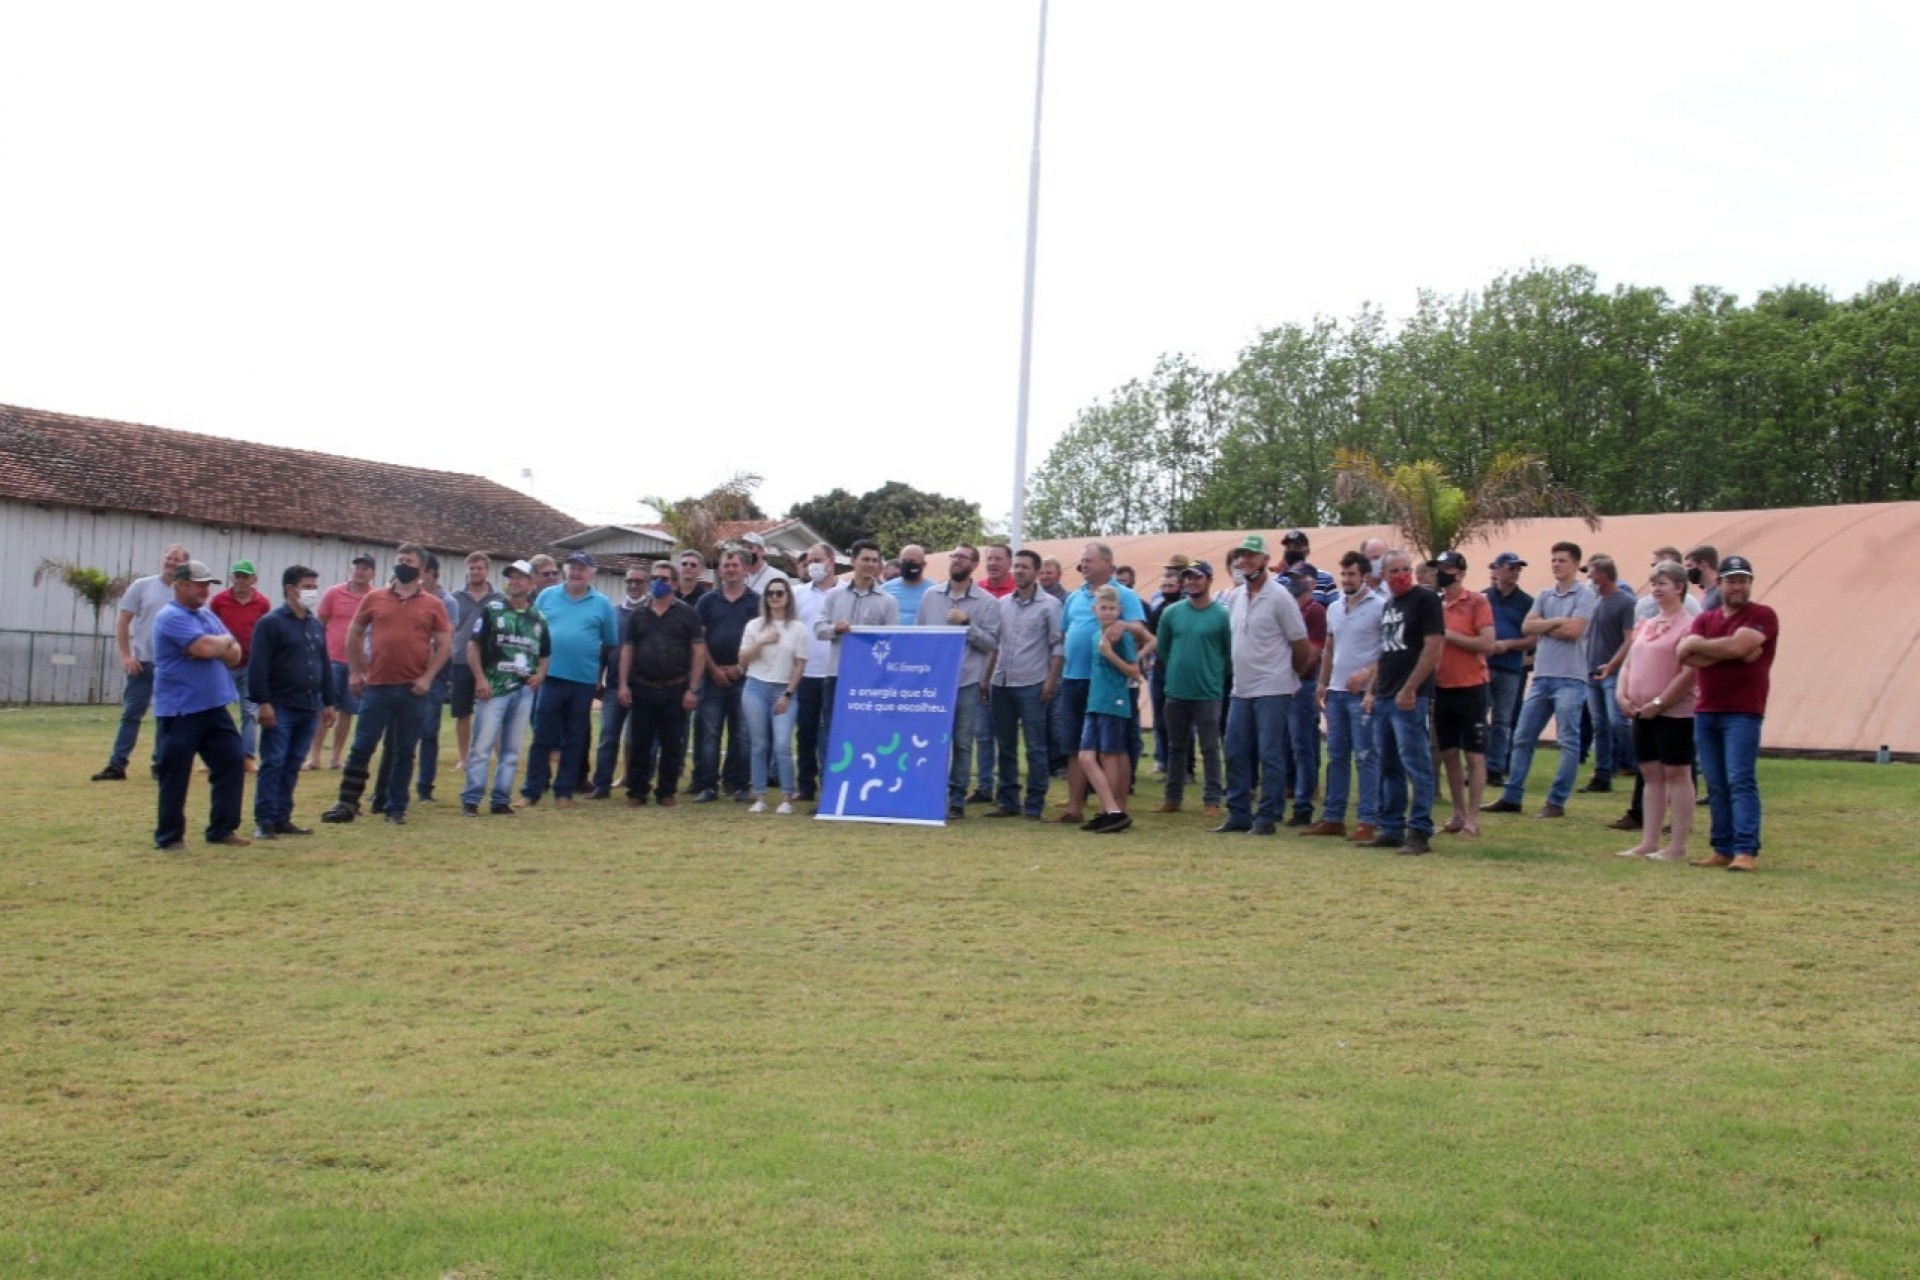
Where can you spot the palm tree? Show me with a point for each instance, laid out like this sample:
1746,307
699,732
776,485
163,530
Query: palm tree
695,522
1433,513
95,587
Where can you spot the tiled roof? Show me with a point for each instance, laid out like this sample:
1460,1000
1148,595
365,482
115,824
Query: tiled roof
58,459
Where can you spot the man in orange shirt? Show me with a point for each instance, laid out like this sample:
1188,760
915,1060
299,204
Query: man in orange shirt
1460,704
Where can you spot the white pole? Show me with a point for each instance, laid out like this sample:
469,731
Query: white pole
1019,530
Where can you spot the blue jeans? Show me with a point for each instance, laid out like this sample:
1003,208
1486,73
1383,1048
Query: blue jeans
1303,751
1067,714
1257,756
283,750
769,733
1559,699
1349,748
1612,732
720,708
966,712
249,726
1406,756
1506,689
498,722
384,707
809,732
1019,714
210,735
430,718
613,723
134,700
1728,743
1157,699
562,722
985,747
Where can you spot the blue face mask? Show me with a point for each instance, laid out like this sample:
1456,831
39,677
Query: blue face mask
661,588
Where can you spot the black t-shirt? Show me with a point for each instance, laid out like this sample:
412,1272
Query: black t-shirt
1405,624
662,642
726,620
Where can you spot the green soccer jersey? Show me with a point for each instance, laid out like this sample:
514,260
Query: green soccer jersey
512,642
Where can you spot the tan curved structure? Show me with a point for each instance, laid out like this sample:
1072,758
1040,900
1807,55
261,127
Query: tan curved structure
1846,677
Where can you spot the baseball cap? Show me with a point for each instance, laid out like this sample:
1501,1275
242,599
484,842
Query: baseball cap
1293,535
755,539
1736,567
1450,560
521,567
367,560
1506,560
246,567
1253,542
1323,581
194,571
581,557
1200,567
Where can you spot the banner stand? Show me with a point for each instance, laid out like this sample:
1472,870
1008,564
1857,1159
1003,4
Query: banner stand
891,744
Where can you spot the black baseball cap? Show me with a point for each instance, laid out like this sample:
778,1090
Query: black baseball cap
1736,567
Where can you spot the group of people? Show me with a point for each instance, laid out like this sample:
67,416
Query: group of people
1393,665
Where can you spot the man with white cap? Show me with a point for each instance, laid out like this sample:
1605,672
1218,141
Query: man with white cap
505,651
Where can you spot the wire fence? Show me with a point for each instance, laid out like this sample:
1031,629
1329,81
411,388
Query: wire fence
59,668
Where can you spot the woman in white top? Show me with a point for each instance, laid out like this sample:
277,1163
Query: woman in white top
773,650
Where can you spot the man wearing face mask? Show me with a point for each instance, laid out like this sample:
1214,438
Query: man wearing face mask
392,676
1195,649
1460,703
290,679
613,715
911,587
1294,548
809,603
1412,630
1703,571
663,664
753,558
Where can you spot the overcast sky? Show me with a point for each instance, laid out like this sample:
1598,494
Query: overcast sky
634,248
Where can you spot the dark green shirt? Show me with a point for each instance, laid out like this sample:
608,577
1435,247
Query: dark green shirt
512,642
1195,647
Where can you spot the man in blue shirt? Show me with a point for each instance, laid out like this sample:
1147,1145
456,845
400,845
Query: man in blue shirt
1081,647
911,586
291,681
583,631
193,656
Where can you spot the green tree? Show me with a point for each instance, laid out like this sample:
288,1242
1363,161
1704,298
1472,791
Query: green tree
695,522
98,589
893,515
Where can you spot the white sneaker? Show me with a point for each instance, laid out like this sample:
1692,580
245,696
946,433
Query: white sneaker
758,806
785,807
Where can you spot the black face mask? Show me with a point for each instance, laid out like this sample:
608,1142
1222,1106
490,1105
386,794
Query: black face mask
1296,556
1444,578
911,570
1693,576
406,573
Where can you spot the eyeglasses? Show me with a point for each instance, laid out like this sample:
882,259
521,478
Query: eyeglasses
775,595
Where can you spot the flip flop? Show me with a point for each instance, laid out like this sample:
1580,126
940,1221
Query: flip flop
1455,826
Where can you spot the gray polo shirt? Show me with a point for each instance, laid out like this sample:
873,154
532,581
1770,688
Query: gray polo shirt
144,599
1554,656
847,603
983,624
1353,625
1265,625
1030,639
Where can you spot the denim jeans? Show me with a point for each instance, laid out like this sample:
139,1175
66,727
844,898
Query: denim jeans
498,722
1257,731
384,707
1067,714
283,750
1350,749
985,746
720,709
966,711
1405,748
249,726
810,733
1303,751
1506,689
210,736
1728,743
430,717
1185,722
1612,731
769,733
1019,714
134,700
613,723
562,722
1559,699
1157,699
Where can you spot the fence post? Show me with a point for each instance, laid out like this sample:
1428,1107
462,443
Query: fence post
31,637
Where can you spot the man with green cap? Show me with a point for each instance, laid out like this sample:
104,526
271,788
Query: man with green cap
240,609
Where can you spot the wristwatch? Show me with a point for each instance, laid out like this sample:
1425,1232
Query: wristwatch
1657,702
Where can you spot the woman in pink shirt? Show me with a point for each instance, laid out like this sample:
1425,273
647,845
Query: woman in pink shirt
1656,693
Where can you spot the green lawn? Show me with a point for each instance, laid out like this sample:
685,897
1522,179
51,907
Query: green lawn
698,1042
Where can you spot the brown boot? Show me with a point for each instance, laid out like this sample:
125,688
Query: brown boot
1363,833
1168,807
1326,829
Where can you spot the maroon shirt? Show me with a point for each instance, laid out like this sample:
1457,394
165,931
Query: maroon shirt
240,619
1733,685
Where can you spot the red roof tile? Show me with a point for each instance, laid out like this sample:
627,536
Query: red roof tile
58,459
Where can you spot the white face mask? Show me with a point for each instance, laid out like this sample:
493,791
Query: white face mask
816,572
310,598
1239,577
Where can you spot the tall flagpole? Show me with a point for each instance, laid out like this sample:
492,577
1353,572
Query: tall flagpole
1019,530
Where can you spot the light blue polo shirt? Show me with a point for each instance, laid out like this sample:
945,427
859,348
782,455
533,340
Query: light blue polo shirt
1082,628
579,628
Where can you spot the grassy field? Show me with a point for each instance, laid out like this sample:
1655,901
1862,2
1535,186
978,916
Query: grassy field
703,1043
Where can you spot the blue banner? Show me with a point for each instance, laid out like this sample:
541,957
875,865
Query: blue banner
892,736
